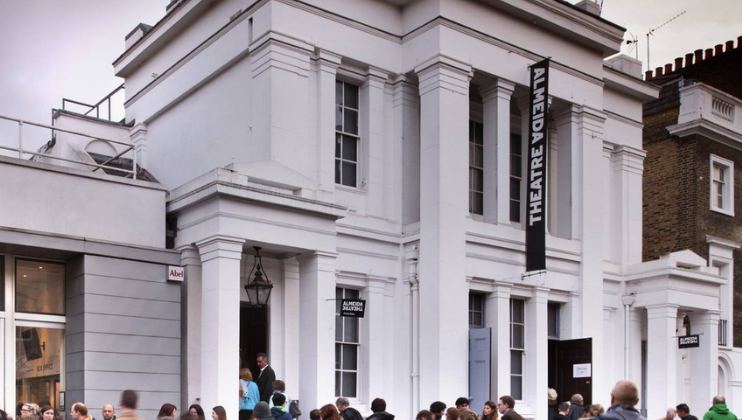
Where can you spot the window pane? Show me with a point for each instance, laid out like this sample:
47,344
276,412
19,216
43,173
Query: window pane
478,204
479,157
518,337
478,133
478,177
516,387
350,148
338,145
518,310
515,145
338,328
514,189
475,319
338,176
38,362
338,93
475,302
349,174
39,287
350,357
338,348
718,173
349,384
351,96
720,201
552,328
352,294
351,330
338,297
516,362
516,166
514,211
337,383
338,118
350,119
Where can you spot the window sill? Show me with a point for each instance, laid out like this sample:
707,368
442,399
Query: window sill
353,190
722,211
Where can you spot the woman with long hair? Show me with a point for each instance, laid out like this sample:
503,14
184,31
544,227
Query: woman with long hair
490,411
329,412
198,411
218,413
167,412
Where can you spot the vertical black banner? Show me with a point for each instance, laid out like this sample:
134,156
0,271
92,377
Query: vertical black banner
536,175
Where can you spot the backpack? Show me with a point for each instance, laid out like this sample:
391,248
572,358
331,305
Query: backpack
294,409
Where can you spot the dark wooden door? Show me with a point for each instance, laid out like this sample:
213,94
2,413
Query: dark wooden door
253,336
568,354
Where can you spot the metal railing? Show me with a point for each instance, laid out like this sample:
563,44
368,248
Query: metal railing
128,147
723,332
96,107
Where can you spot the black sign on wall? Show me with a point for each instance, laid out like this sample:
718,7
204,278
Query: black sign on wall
354,308
688,341
536,175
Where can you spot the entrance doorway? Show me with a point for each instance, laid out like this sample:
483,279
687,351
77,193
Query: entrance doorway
253,336
567,359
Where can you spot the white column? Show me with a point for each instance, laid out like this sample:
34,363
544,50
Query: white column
497,313
635,345
374,342
317,328
138,136
220,321
280,122
444,126
661,359
326,65
191,313
537,352
496,101
291,343
372,140
626,233
704,360
406,102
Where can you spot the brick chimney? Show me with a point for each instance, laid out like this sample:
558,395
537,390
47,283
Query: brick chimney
648,75
668,68
718,49
688,59
729,46
658,72
678,63
708,53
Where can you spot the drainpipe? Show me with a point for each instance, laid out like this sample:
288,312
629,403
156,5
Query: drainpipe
412,276
627,301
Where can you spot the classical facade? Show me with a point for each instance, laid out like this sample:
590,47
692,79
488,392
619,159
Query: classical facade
375,150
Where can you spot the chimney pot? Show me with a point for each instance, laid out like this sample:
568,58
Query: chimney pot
668,68
708,53
658,72
688,59
648,75
678,63
718,49
699,55
729,46
739,41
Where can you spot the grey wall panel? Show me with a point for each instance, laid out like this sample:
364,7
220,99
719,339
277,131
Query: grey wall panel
111,381
124,269
111,286
119,362
103,342
124,331
115,305
136,324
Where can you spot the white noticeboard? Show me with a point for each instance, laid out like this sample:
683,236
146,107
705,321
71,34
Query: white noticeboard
582,370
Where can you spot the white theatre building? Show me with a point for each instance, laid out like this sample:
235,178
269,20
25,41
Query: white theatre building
376,150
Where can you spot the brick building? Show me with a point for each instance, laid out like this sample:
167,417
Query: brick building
692,191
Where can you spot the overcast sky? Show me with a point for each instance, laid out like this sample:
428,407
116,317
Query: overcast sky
50,49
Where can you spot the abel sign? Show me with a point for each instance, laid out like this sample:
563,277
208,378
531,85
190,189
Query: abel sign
175,273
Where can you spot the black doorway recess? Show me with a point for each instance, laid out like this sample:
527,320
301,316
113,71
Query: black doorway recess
253,336
563,355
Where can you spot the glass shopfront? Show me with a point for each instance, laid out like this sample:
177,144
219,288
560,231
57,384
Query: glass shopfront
33,332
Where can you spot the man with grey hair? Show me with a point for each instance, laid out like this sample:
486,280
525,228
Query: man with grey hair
719,410
346,411
108,412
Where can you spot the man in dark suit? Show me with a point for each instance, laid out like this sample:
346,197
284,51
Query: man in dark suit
505,406
265,378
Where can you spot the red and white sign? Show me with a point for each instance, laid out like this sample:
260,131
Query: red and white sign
175,273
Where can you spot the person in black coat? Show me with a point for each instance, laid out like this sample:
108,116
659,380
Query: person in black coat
576,409
378,406
346,411
265,378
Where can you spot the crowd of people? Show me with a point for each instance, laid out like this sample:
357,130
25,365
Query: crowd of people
266,399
